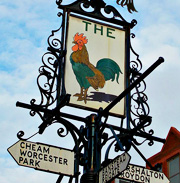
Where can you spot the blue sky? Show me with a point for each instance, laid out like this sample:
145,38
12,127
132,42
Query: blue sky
24,29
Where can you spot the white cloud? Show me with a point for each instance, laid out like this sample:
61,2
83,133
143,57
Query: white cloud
21,174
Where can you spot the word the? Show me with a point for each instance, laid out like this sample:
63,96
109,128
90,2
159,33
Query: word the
99,29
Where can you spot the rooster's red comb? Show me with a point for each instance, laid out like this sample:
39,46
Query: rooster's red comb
80,37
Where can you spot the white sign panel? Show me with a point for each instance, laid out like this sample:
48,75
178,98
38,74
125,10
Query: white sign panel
143,175
43,157
95,64
114,168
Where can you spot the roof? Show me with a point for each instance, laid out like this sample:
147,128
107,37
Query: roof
170,148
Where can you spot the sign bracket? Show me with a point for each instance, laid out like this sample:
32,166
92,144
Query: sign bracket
134,84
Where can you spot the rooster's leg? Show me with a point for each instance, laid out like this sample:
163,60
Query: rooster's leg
79,95
85,95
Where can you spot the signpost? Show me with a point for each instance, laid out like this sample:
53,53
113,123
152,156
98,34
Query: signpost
141,174
114,168
43,157
91,63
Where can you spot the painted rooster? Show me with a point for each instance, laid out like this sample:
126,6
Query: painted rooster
86,73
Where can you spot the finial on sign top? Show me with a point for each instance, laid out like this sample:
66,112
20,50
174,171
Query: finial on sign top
128,3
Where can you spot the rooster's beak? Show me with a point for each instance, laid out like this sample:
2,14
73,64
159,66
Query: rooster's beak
74,42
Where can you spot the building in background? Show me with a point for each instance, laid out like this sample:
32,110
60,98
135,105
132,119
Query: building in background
168,159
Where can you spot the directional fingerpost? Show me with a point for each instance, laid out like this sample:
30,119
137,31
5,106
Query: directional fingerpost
43,157
141,174
114,168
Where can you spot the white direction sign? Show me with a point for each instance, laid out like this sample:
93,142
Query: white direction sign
114,168
43,157
143,175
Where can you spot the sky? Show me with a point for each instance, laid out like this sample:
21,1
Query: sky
25,27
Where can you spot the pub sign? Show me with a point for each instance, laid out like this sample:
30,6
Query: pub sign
95,64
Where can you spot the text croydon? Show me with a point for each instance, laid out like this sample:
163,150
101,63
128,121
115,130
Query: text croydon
140,174
32,154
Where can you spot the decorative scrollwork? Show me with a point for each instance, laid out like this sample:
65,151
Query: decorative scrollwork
139,104
136,65
110,9
48,72
20,134
139,99
99,10
69,128
151,132
140,110
60,132
151,142
53,41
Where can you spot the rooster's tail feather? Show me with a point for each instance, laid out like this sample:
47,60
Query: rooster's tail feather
109,69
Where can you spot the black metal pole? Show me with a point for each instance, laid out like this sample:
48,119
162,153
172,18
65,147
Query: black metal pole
38,108
135,133
142,156
127,90
90,170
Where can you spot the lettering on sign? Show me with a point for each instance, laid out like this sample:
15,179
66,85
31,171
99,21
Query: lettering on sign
33,154
85,63
141,174
43,157
99,29
112,170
